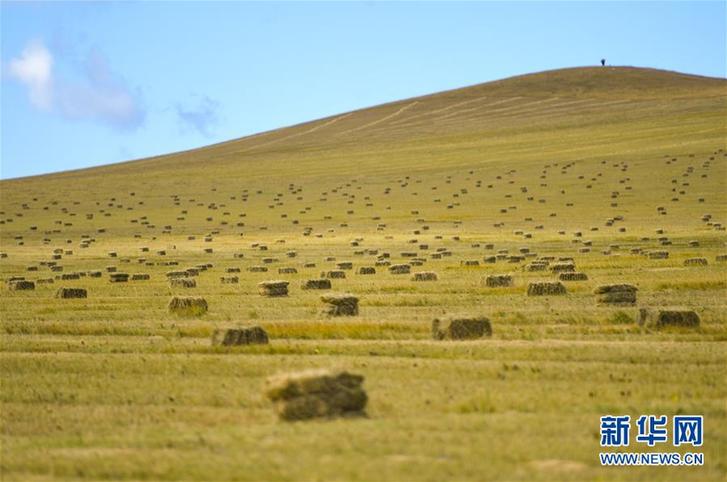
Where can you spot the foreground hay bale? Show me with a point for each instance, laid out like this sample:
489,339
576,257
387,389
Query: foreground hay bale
182,283
425,276
498,281
573,276
367,270
21,285
317,393
668,318
253,335
273,288
67,293
617,294
461,328
188,306
340,304
546,288
316,284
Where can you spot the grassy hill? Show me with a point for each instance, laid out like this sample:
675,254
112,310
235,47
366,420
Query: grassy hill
601,166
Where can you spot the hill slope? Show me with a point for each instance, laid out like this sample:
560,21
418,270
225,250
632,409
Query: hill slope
582,114
567,100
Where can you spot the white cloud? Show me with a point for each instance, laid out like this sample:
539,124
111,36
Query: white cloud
100,96
33,69
202,117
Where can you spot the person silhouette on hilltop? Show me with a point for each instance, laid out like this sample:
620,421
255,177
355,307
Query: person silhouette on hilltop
603,62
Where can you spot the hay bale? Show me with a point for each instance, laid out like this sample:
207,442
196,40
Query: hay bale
317,393
668,318
461,328
140,277
616,294
425,276
340,304
67,293
182,283
273,288
257,269
537,265
188,305
367,270
498,280
562,267
316,284
695,262
253,335
21,285
400,269
118,277
288,270
229,280
721,258
658,254
573,276
334,274
546,288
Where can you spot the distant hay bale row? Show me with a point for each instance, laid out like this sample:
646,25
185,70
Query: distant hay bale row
546,288
668,318
616,294
67,293
253,335
461,328
340,304
188,306
273,288
317,393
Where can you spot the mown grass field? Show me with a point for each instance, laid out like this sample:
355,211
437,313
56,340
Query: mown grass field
113,387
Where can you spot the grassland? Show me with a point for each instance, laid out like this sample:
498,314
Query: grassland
113,387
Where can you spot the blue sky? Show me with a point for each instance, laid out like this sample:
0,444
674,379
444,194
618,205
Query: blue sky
94,83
